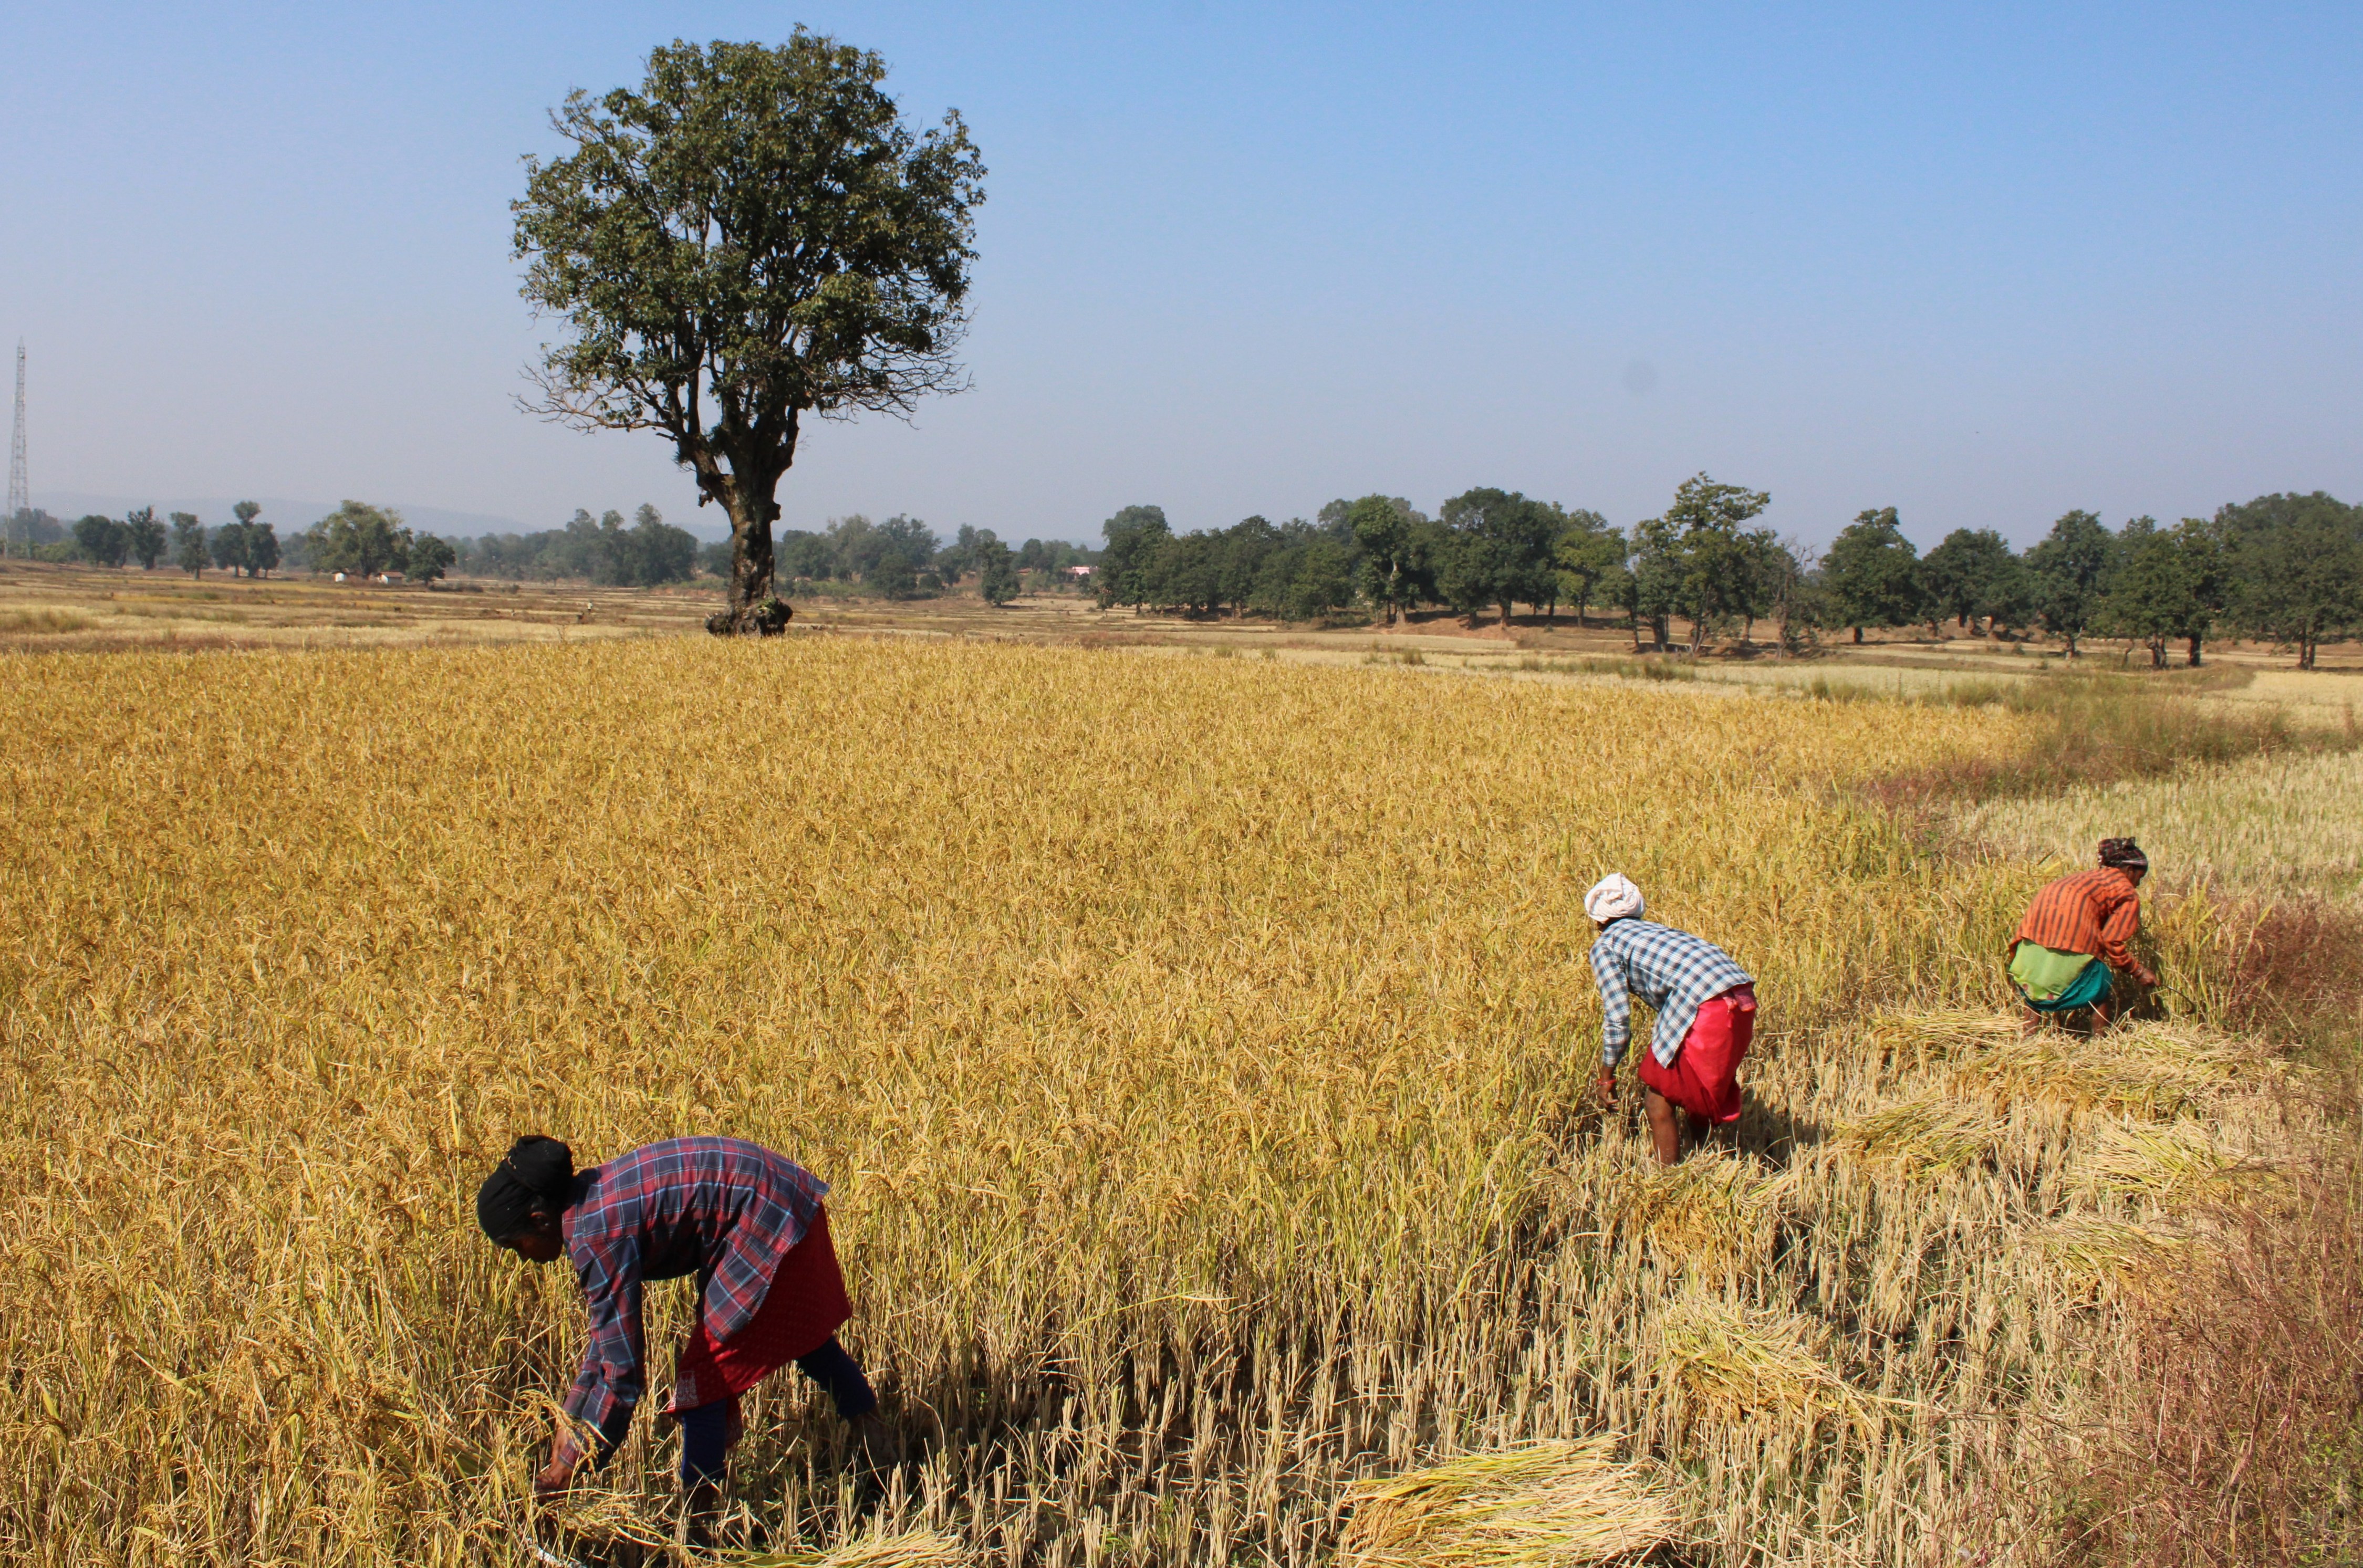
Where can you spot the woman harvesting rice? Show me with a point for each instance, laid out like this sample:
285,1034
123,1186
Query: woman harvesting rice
1706,1015
750,1224
2075,933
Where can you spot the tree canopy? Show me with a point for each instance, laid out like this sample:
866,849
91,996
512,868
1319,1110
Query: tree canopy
2295,564
2067,569
1872,573
751,236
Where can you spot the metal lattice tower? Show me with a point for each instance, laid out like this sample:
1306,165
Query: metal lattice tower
20,495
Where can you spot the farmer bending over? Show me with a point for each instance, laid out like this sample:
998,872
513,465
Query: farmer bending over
1706,1014
2075,933
749,1224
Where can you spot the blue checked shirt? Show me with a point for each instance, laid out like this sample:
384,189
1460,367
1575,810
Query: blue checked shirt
722,1209
1671,970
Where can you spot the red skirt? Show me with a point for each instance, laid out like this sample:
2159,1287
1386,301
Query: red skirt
1705,1078
803,1305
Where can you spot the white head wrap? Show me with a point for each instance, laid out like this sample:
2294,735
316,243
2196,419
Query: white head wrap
1613,898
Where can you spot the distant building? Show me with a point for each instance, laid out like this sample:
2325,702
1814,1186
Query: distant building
1079,571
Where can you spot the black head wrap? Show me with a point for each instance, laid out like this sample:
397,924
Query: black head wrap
536,1176
2124,853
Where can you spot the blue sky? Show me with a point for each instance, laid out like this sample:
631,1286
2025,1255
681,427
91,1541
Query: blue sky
1983,264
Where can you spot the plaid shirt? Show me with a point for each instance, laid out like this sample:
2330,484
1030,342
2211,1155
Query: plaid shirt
722,1209
1671,970
2094,912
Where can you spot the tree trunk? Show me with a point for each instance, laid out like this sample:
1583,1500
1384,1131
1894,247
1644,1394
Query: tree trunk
1660,631
2305,650
1857,636
2070,638
2158,652
1506,614
1698,634
2191,658
752,610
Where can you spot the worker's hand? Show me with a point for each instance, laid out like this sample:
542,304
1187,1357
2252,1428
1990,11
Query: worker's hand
552,1479
1607,1086
2147,976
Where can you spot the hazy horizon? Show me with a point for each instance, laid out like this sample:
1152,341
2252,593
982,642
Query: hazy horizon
1981,265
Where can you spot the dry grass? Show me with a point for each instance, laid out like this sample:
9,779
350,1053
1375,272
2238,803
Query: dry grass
2226,1420
1199,1049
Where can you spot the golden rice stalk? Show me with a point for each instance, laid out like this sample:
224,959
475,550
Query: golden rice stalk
2148,1070
1711,1213
2087,1251
1931,1133
1736,1362
917,1548
1543,1506
2177,1160
598,1514
1941,1029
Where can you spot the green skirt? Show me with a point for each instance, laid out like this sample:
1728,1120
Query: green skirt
2052,981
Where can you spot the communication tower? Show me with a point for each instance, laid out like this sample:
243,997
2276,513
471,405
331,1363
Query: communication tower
20,496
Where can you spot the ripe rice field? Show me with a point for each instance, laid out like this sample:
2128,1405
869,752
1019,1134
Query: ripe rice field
1199,1049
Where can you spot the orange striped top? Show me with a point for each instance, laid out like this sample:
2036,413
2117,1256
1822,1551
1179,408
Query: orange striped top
2094,912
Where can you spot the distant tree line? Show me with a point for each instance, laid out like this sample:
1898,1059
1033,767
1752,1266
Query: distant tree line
2284,568
901,557
649,553
2281,569
245,545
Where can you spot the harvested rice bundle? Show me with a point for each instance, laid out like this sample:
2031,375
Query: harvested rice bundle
1941,1031
2157,1071
1711,1213
2178,1161
599,1517
919,1549
1736,1362
2088,1251
1543,1506
1933,1133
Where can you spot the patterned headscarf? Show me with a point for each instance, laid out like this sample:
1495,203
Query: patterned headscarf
2124,853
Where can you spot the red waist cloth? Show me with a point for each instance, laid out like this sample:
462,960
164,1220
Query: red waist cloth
802,1306
1705,1078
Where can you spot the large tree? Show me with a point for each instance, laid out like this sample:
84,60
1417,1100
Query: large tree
1135,535
2067,568
1500,551
1872,574
147,536
2294,565
2166,583
1972,576
189,543
1394,574
1713,561
751,236
1589,557
102,541
359,540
